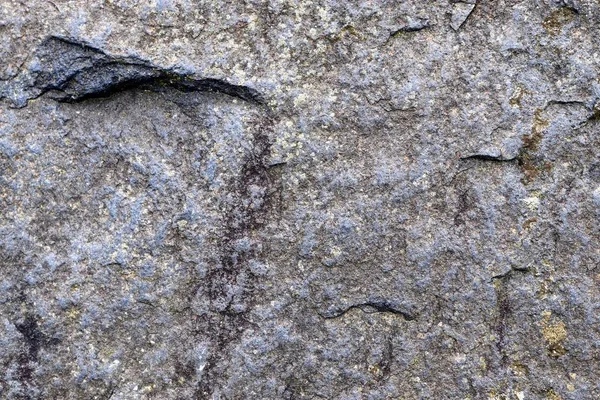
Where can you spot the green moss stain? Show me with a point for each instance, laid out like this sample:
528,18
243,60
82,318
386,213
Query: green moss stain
554,333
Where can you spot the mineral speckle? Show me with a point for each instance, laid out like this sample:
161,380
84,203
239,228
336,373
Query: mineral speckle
299,200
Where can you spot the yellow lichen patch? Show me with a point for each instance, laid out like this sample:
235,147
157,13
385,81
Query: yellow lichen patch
554,332
545,287
515,98
554,22
532,141
376,371
529,166
148,388
595,112
349,29
552,395
528,222
73,312
519,395
495,394
519,369
482,363
533,201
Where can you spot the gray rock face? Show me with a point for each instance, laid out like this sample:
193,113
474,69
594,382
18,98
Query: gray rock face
283,200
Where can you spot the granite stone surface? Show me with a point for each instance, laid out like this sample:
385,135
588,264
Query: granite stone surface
284,199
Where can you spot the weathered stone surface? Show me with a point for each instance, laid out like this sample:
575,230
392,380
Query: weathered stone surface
284,200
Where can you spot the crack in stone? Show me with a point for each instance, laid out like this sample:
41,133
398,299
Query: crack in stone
488,157
565,103
462,10
70,71
508,274
382,306
416,25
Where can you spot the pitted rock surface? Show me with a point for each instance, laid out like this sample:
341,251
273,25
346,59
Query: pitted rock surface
299,200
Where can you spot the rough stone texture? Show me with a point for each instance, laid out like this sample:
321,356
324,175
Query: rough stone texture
288,200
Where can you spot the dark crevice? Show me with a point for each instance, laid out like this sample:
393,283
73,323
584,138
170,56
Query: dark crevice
387,359
488,157
475,4
568,103
509,273
468,16
503,312
371,307
71,71
158,83
412,27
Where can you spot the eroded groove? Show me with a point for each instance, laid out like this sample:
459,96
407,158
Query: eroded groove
34,340
244,218
503,313
71,71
